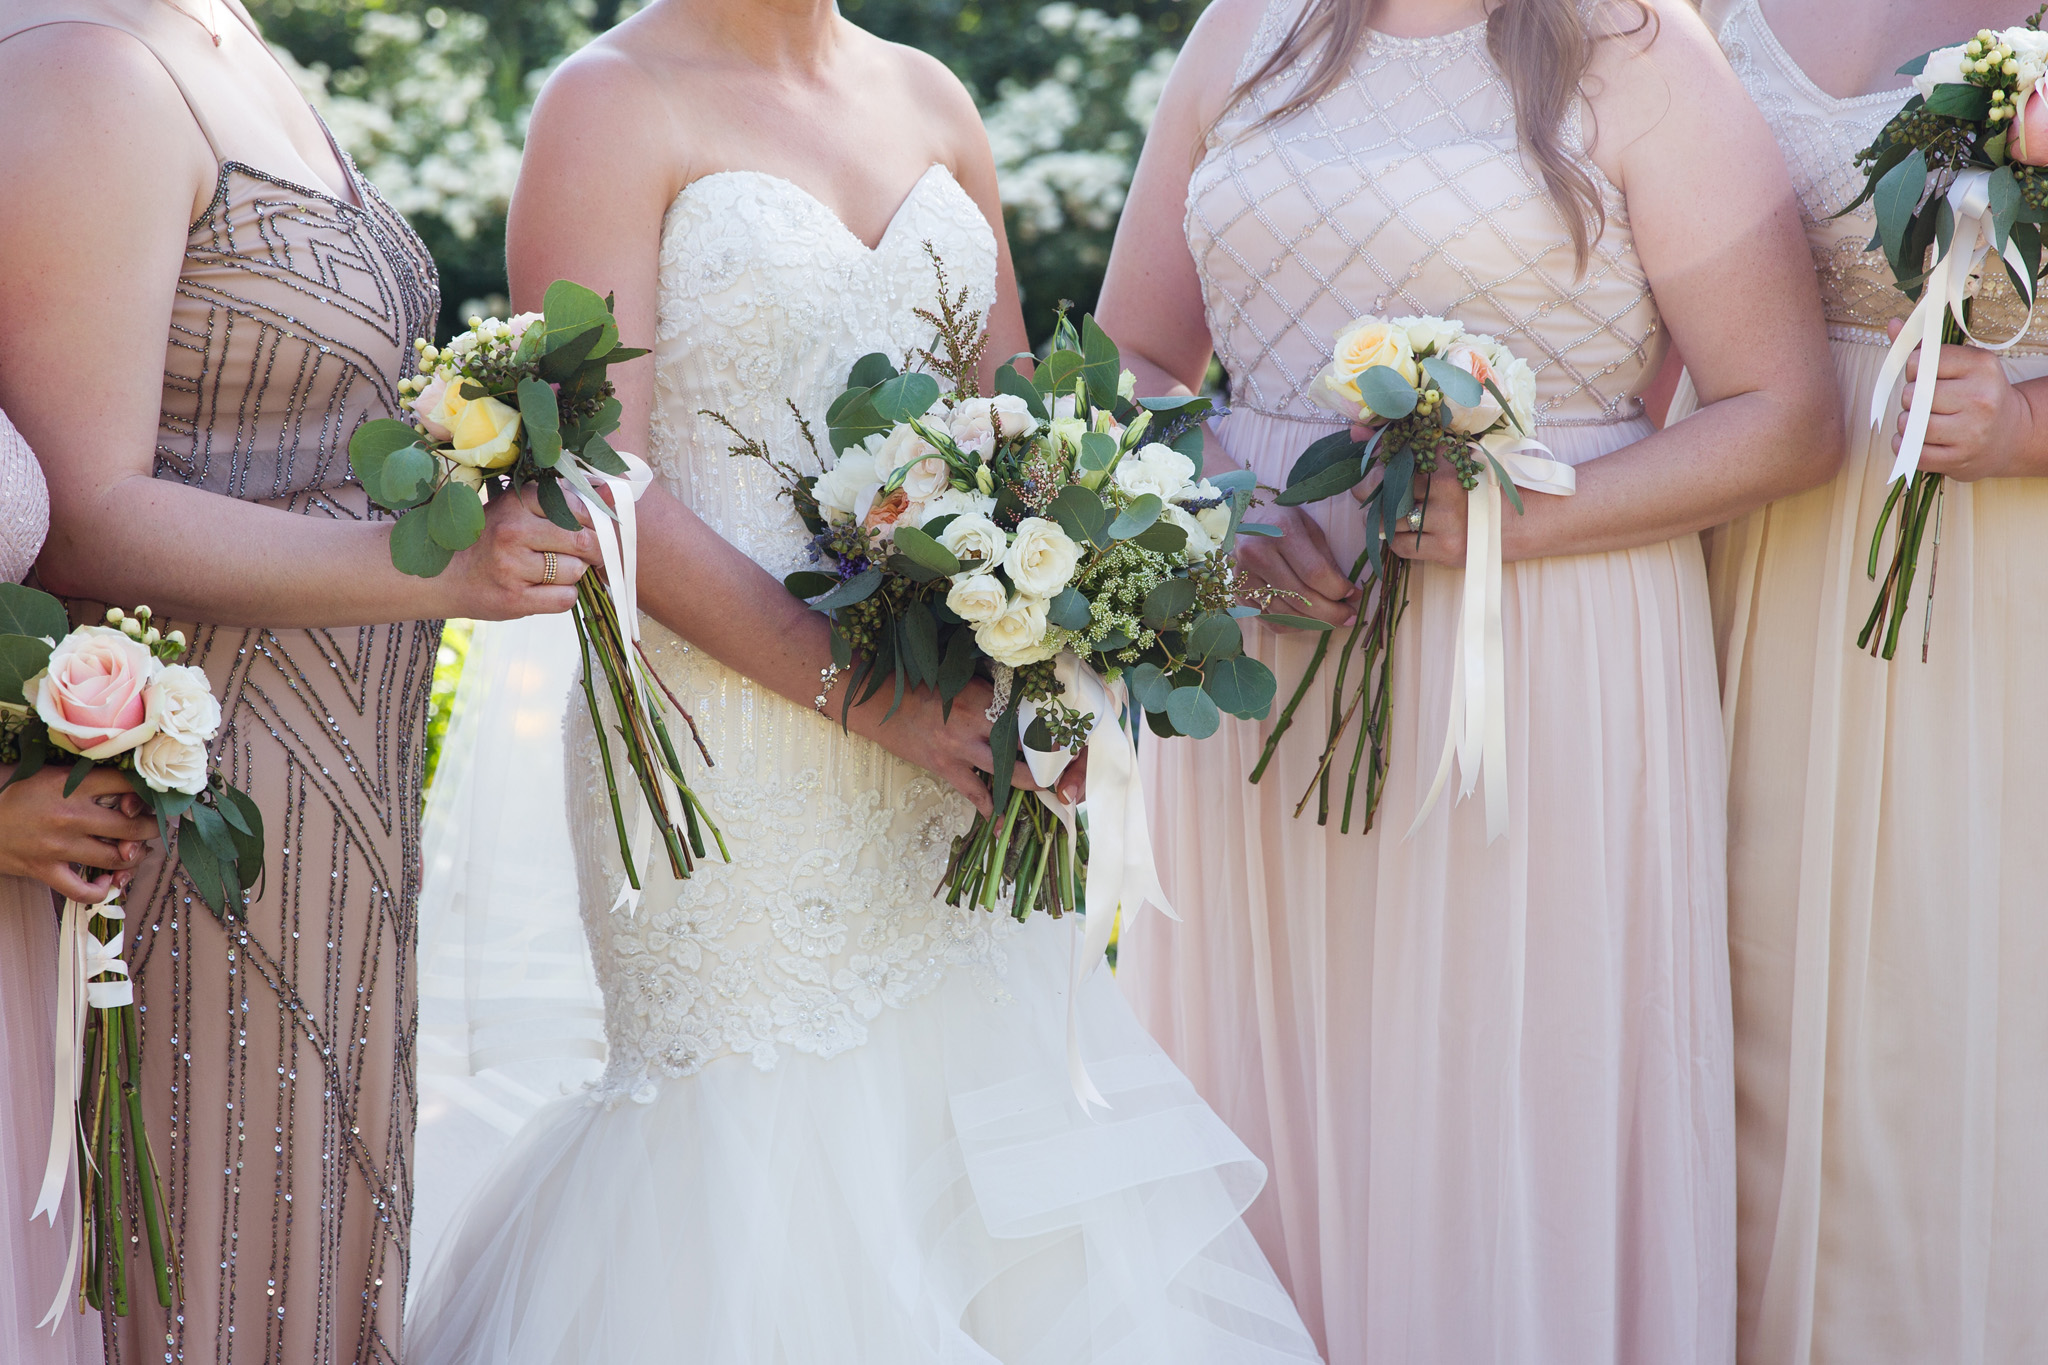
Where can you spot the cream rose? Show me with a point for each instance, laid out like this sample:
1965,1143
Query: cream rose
927,479
978,598
428,407
170,764
1364,345
516,328
1156,468
1475,360
1431,334
467,475
954,502
1017,636
94,695
485,434
973,537
849,485
1944,67
1041,558
1200,541
182,702
978,423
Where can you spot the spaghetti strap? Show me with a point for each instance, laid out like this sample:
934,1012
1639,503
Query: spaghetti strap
205,130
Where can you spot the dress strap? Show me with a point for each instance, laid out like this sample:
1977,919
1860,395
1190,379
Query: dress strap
205,130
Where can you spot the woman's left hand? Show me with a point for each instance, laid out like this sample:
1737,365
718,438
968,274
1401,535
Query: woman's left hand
1442,537
1982,427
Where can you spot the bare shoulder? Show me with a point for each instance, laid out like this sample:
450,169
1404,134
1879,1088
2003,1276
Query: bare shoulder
1658,74
83,95
1205,72
605,86
927,87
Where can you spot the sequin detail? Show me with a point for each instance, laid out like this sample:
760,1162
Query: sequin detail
1402,191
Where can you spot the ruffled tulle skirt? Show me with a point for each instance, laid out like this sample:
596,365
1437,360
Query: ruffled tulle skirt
934,1196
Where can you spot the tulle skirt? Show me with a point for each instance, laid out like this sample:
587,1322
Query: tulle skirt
1492,1081
1888,915
935,1195
31,1254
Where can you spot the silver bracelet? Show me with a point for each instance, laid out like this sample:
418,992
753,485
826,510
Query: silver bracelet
826,677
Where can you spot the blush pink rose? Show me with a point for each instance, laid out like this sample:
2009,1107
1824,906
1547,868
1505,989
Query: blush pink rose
94,695
2028,141
425,406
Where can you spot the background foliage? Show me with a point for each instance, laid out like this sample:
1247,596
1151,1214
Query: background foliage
432,100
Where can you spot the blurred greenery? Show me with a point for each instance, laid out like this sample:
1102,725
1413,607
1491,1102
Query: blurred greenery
432,100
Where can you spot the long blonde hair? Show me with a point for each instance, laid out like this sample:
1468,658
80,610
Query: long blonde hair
1543,48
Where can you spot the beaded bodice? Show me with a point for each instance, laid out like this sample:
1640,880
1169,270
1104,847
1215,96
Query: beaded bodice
1405,190
24,505
826,915
1821,135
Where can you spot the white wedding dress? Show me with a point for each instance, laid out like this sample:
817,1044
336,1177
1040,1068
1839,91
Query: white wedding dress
835,1125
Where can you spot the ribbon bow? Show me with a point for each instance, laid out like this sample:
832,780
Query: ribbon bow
1121,871
1478,731
1947,284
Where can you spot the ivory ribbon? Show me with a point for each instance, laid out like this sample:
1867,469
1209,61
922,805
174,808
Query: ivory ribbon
1478,731
1121,872
1969,199
80,957
616,526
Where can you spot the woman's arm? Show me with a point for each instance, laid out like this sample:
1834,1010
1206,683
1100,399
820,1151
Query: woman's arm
101,171
600,170
1152,297
1717,228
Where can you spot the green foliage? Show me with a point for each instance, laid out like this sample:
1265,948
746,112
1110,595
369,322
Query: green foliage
432,99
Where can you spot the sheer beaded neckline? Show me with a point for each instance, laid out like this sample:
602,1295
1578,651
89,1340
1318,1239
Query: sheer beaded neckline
1783,56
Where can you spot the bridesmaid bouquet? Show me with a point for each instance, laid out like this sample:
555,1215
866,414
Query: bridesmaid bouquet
1959,170
1055,537
528,403
113,696
1432,394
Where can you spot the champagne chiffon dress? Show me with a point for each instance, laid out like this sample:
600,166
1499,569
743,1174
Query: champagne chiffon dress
31,1254
278,1084
1492,1081
1888,880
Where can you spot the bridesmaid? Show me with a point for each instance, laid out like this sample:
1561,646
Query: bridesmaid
200,300
1886,866
42,834
1492,1081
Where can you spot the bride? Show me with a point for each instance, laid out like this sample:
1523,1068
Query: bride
836,1123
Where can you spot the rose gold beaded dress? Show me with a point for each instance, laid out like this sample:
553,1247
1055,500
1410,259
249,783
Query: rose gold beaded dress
278,1060
1492,1082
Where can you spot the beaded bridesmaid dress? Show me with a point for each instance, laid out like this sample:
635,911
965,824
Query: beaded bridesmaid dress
278,1073
1492,1082
1887,869
31,1255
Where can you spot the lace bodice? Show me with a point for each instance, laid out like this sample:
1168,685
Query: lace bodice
24,505
1404,191
1821,135
826,915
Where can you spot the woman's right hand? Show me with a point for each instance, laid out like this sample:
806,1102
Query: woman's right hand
502,576
956,748
1298,562
43,832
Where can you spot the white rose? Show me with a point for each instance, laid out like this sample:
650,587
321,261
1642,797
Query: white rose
1944,67
1155,468
1520,387
1041,558
1200,541
1215,521
1431,334
1477,361
897,448
467,475
849,485
956,502
182,702
927,478
1017,636
2030,52
972,536
170,764
978,598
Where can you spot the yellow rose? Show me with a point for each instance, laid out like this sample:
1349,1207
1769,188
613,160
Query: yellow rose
485,434
1373,342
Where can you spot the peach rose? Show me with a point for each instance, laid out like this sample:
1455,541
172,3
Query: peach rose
886,511
2028,141
94,695
427,407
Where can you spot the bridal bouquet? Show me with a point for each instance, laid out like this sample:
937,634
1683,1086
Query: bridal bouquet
1432,394
1056,537
528,403
1962,170
113,696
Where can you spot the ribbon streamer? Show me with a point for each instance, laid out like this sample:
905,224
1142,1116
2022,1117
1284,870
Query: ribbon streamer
1121,871
1478,731
1947,284
80,957
616,525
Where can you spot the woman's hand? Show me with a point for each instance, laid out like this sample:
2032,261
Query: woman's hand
1298,561
956,749
1983,425
504,575
100,826
1442,537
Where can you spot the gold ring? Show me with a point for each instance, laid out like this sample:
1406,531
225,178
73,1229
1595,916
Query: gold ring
548,564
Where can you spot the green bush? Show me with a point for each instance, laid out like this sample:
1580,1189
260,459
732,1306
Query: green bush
432,101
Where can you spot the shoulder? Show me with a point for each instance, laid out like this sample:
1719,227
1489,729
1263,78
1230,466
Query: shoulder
922,82
1658,73
605,85
1218,43
604,117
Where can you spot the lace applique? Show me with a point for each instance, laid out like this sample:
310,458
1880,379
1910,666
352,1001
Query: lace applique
826,915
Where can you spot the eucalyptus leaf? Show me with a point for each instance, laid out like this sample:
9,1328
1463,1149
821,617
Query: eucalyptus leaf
413,547
554,504
1259,528
1017,386
1055,374
407,478
542,420
1081,514
80,770
1101,364
1140,515
1242,686
455,518
1234,481
1192,712
1971,102
956,669
1281,618
922,549
918,644
905,397
1069,611
202,868
21,658
1387,393
563,361
371,446
1168,602
1150,687
599,455
1458,385
871,369
1895,201
1332,480
809,583
568,309
856,589
852,419
2006,203
1002,743
1215,636
1162,537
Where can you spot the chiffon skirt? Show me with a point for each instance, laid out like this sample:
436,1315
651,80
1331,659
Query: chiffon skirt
31,1254
932,1197
1888,904
1492,1081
